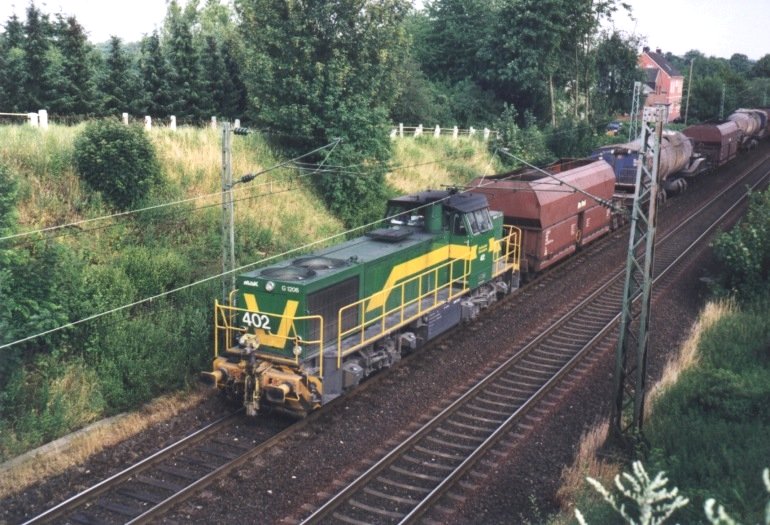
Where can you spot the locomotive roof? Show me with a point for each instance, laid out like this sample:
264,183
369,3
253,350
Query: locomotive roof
462,202
349,253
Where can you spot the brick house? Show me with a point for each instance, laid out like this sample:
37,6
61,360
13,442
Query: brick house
664,82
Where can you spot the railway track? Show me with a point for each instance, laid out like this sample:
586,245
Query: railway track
411,479
146,490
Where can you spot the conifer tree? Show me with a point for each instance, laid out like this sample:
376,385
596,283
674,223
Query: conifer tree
76,81
235,96
119,84
36,44
213,74
13,79
154,70
184,60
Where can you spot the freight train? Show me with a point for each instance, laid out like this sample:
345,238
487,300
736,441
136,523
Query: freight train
688,154
302,332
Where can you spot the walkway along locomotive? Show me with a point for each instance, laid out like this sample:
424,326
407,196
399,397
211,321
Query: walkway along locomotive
300,333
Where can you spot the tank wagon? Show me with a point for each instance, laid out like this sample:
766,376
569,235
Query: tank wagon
298,334
557,213
678,162
752,124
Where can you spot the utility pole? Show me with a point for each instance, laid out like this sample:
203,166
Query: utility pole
228,207
689,90
630,372
633,125
228,215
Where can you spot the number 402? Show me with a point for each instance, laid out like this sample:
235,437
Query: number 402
255,320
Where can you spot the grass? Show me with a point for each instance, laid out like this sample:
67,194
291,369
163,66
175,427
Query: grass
438,162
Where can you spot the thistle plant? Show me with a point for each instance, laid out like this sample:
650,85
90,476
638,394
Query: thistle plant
654,502
720,516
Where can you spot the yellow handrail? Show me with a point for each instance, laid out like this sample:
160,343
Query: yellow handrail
400,309
507,253
223,321
509,249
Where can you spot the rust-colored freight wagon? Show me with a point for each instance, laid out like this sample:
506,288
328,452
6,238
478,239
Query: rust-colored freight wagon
716,142
555,211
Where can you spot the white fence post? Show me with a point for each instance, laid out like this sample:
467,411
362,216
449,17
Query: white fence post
471,131
172,123
213,122
32,119
42,115
147,122
418,131
125,119
486,134
401,129
437,131
393,133
455,132
237,123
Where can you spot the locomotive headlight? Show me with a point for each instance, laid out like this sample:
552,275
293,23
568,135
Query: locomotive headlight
270,286
297,350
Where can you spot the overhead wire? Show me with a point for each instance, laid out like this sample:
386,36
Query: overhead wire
241,268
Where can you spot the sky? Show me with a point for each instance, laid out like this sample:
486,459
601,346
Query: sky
714,27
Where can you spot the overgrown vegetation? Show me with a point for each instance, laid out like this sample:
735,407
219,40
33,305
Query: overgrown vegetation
118,161
744,252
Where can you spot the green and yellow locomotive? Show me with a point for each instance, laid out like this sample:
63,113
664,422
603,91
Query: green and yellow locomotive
300,333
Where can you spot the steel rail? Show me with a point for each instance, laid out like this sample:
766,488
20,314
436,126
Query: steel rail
103,486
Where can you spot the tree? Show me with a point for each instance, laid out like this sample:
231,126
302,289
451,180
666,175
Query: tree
184,59
14,71
213,75
456,30
740,64
525,50
36,59
326,69
153,71
119,83
117,160
762,67
617,71
235,96
76,79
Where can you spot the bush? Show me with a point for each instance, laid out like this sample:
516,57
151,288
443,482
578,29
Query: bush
744,253
118,161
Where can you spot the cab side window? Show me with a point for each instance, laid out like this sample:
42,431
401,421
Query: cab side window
483,220
458,225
